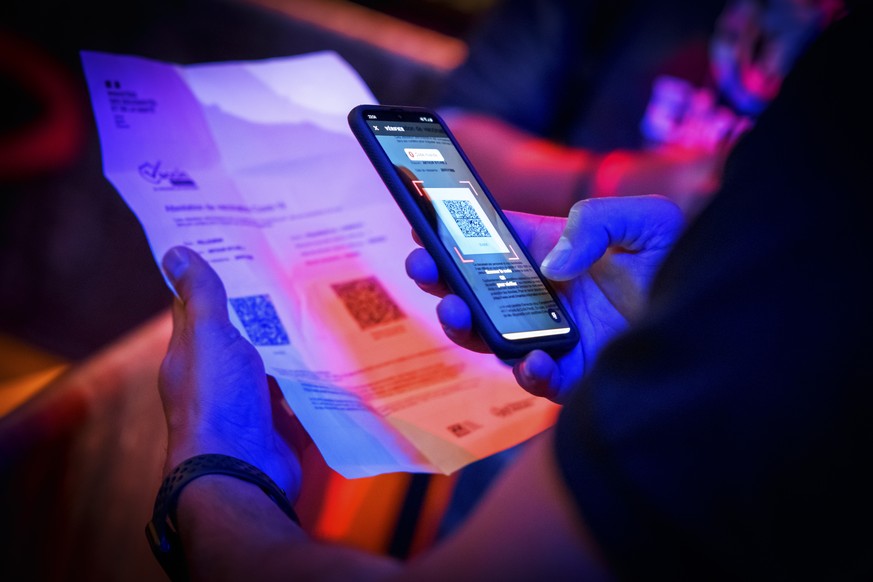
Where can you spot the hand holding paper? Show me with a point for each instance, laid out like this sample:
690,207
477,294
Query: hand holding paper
252,165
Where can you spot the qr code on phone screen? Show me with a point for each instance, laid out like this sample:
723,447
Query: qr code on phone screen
466,218
368,302
259,318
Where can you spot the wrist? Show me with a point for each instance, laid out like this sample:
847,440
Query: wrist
282,467
162,531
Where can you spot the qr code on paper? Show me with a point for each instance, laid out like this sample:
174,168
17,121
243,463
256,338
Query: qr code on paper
368,302
259,318
466,218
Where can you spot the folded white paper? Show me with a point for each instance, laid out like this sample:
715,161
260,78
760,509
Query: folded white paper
252,165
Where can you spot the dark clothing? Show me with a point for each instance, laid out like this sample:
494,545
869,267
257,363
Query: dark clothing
580,72
728,434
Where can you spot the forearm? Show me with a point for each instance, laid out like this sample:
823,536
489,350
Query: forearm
231,530
535,175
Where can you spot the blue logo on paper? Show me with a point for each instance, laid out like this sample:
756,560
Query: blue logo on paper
171,179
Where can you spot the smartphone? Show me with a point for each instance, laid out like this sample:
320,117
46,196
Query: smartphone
515,310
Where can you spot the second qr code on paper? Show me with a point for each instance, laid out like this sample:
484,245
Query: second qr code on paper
368,302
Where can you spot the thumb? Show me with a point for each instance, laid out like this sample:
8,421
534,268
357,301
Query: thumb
634,223
583,241
197,285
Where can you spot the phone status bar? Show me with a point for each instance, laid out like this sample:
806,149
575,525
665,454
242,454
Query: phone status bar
399,128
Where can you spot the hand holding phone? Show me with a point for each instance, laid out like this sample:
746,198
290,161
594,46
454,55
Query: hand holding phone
478,254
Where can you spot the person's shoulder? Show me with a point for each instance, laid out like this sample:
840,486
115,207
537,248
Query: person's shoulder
831,75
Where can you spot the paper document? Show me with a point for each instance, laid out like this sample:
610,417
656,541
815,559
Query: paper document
252,164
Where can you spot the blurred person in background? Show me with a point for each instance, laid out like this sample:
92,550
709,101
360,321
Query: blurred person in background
562,100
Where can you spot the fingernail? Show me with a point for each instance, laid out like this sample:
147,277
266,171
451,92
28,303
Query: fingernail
175,264
558,257
524,370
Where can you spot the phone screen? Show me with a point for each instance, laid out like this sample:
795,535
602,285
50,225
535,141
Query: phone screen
469,226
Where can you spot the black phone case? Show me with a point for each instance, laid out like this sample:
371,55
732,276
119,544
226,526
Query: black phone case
507,350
